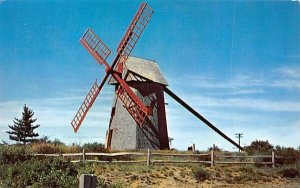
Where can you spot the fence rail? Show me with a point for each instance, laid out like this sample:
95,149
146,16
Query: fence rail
149,158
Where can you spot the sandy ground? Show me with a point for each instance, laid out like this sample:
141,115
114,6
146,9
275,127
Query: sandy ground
182,176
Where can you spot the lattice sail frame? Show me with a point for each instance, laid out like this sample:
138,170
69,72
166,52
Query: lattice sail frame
95,46
100,52
134,32
85,106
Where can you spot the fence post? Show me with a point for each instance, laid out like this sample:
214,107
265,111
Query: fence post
87,181
83,155
148,158
212,158
273,159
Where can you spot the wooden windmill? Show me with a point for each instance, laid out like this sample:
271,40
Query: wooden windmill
138,119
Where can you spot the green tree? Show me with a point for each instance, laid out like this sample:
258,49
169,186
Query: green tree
259,146
23,129
56,141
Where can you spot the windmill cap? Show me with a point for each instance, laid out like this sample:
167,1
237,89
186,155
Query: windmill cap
142,70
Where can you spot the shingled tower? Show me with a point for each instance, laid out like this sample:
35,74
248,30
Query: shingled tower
147,82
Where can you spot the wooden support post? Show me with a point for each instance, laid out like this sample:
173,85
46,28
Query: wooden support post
212,158
273,159
83,155
148,158
87,181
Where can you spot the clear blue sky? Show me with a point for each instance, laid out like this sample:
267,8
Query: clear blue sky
237,63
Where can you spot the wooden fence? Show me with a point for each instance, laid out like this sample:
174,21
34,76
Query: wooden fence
150,157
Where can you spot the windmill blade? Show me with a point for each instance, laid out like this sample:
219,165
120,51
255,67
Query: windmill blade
189,108
87,103
100,52
132,103
85,106
134,31
95,46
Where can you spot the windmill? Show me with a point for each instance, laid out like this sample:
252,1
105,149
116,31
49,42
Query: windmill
138,119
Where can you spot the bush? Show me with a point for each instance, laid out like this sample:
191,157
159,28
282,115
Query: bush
287,155
50,148
94,147
290,171
117,184
19,169
215,148
200,174
13,154
56,141
259,147
248,169
49,172
44,148
71,149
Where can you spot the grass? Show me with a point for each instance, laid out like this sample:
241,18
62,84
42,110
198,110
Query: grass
140,175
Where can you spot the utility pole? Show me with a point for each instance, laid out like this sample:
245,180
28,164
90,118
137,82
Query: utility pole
170,141
239,136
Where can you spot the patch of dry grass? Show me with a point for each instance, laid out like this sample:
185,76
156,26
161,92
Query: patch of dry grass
50,148
139,175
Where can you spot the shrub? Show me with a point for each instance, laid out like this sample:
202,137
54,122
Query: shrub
56,141
215,148
44,148
49,172
290,171
70,149
171,173
117,184
248,169
259,147
200,174
19,169
238,179
287,155
94,147
101,182
13,154
50,148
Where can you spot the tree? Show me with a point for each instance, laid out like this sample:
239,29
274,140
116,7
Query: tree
23,129
43,139
56,141
259,146
215,148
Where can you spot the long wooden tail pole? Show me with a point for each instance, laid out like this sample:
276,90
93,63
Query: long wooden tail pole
189,108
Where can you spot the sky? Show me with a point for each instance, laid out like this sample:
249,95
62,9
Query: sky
236,62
